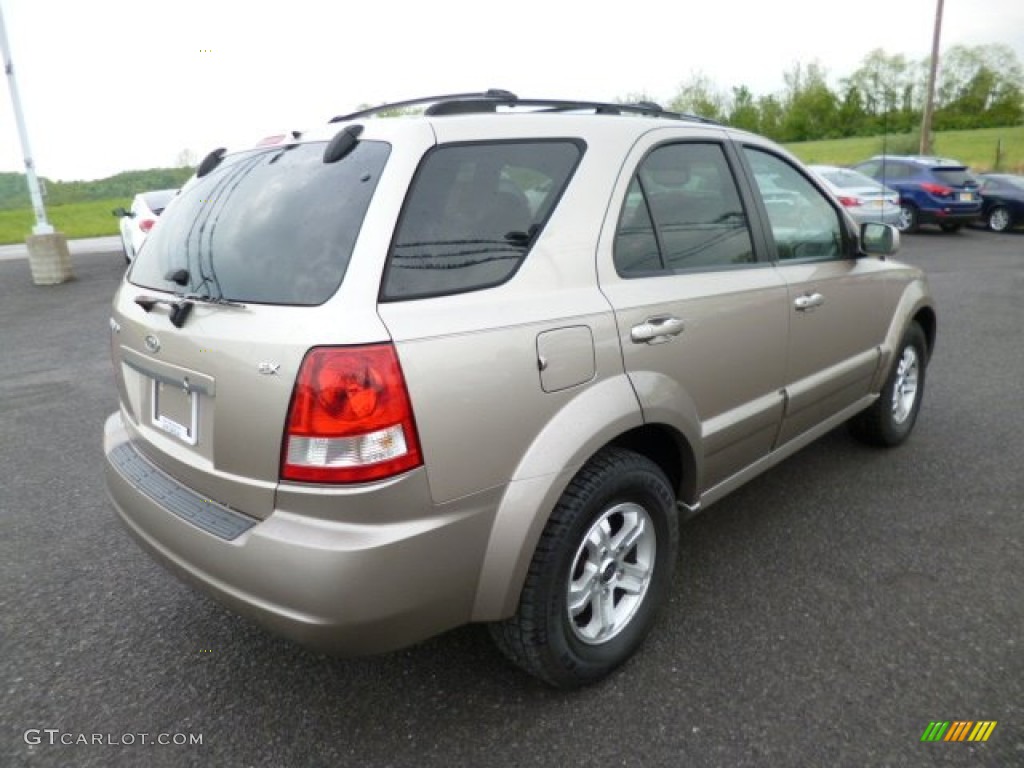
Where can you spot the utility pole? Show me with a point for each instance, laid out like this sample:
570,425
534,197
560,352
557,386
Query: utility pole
929,104
47,249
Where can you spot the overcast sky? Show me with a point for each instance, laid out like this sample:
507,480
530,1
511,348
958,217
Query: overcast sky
112,85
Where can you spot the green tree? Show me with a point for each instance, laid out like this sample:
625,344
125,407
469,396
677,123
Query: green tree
771,114
979,87
811,106
852,118
744,112
699,96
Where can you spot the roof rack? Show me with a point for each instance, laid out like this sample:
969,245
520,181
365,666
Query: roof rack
490,100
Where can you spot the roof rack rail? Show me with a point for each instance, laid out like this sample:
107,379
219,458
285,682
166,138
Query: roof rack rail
490,100
492,95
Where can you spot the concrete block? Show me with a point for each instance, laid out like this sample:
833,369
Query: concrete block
49,259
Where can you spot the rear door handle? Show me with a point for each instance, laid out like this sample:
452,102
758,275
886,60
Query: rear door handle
808,301
656,330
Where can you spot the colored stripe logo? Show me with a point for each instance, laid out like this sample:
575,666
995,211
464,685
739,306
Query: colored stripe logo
959,730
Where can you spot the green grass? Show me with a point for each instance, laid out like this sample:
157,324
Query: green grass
74,220
975,148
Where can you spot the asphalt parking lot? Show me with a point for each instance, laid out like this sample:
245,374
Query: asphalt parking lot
823,615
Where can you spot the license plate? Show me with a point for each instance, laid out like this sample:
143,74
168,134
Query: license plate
176,410
965,197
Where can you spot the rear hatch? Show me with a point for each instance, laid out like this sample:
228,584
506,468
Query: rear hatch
956,185
232,289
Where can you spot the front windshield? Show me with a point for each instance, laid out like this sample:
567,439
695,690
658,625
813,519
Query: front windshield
273,225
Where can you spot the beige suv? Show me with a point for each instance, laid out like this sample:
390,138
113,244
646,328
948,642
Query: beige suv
472,364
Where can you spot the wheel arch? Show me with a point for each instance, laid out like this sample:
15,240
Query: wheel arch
925,317
530,497
915,306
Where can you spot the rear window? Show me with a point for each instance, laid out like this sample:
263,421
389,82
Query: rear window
270,226
955,177
848,179
472,214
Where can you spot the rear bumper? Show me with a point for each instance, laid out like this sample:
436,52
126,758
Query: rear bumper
886,216
337,585
950,214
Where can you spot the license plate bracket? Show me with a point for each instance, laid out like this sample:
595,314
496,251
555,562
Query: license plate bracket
176,410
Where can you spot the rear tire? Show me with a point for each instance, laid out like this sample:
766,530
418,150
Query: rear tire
998,219
909,220
601,569
890,420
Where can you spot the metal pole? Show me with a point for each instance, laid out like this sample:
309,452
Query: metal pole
42,226
929,104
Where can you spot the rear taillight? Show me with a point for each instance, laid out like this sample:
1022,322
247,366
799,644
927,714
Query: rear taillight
936,189
350,419
146,224
850,202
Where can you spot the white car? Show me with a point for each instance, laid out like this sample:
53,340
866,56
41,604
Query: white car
862,197
140,218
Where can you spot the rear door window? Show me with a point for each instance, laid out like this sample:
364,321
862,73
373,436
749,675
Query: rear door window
472,214
273,226
682,212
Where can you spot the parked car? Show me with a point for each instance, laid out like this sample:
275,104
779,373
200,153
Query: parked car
933,190
393,376
137,220
1002,196
864,198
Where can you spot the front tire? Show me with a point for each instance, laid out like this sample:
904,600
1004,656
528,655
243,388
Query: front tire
601,569
998,219
890,420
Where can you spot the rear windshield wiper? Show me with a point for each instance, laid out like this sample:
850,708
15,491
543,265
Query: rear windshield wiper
220,301
182,306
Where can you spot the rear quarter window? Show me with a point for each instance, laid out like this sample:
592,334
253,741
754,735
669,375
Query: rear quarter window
472,214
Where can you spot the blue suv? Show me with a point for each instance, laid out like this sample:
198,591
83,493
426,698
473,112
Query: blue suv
933,190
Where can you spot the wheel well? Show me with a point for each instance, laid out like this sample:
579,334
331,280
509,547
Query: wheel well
926,319
670,451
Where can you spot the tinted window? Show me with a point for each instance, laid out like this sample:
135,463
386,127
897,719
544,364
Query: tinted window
682,212
894,171
803,222
954,177
273,226
472,214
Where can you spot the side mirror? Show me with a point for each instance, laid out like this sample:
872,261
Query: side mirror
879,239
120,213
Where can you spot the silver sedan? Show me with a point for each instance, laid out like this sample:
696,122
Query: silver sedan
863,197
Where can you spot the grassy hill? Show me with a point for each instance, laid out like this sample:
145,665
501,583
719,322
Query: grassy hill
14,190
984,149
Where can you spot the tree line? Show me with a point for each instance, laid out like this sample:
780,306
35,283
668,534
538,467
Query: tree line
977,87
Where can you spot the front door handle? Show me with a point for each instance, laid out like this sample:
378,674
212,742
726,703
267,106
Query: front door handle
656,330
808,301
